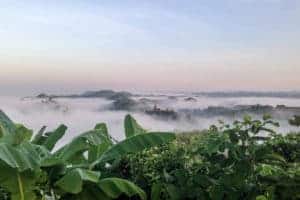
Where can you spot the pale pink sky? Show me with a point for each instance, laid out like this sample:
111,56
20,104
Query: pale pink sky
149,45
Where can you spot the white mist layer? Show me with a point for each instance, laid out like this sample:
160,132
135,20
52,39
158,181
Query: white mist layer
83,114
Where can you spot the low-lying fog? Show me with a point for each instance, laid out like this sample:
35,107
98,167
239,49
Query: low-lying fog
81,114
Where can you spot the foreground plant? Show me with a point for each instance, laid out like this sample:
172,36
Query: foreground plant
295,121
30,169
244,160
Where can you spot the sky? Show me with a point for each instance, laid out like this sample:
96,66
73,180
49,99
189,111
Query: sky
66,46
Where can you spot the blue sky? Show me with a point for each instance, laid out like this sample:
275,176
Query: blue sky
61,46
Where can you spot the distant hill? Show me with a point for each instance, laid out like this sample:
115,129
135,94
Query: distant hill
107,94
113,95
250,94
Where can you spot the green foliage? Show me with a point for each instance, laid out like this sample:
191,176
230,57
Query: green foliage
245,160
132,127
135,144
6,125
48,140
29,170
295,121
115,187
89,141
73,181
21,185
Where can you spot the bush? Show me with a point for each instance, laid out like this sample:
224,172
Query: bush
245,160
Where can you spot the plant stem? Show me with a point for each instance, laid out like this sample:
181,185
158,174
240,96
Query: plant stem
20,187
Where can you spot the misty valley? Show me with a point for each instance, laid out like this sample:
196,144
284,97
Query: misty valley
162,146
177,112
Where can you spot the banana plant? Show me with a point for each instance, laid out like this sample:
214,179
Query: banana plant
132,127
97,148
30,169
19,160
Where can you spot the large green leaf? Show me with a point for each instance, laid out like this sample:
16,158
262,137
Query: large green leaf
103,128
21,158
21,185
90,192
11,133
83,143
135,144
115,187
49,139
19,169
54,137
73,181
21,134
96,151
6,125
132,127
39,137
66,153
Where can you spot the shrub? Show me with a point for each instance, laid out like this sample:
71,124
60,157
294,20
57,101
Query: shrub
245,160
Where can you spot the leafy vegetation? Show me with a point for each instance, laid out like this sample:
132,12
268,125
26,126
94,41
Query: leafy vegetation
30,169
295,121
243,160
